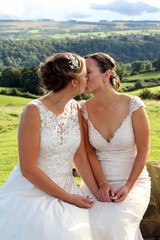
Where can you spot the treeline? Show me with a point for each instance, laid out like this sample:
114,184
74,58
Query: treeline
26,78
125,49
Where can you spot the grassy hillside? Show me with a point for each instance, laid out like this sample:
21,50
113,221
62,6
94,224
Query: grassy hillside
149,78
143,76
10,109
138,91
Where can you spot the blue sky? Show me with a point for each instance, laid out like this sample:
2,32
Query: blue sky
80,10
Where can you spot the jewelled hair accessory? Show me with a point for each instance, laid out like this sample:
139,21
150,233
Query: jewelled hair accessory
73,61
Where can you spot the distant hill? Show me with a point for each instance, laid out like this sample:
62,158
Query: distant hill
27,43
50,28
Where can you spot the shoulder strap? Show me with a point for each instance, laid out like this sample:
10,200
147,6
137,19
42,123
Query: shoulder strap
83,108
135,104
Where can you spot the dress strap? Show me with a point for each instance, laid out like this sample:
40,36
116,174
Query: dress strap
135,104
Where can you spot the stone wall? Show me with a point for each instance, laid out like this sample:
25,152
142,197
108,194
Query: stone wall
150,225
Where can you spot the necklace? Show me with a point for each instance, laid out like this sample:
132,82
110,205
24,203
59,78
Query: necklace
100,109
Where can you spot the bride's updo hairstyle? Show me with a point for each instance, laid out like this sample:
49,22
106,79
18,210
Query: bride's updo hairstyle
105,62
59,69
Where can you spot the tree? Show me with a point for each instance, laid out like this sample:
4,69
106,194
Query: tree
156,64
139,84
31,82
121,71
138,66
10,77
148,66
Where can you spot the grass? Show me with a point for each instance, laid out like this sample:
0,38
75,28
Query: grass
6,101
147,75
10,110
153,111
138,91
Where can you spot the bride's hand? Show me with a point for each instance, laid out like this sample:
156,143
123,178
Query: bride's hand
105,192
81,201
122,193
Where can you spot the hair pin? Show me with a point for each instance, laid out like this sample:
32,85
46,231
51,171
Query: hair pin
73,61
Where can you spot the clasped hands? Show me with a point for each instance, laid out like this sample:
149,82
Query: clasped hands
106,193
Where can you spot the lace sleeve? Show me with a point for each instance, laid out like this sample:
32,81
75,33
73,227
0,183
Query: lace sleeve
83,109
136,103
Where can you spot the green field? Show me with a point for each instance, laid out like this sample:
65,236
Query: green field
147,77
10,110
138,91
142,76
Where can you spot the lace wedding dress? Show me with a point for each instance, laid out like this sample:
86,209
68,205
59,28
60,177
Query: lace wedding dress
118,221
26,212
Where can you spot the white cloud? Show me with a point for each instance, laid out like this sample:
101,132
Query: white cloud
14,8
125,7
71,9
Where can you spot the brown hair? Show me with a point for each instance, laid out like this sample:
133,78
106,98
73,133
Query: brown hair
59,69
106,62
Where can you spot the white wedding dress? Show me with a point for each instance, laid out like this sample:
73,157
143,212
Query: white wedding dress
118,221
28,213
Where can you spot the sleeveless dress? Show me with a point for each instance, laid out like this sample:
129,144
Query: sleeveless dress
118,221
28,213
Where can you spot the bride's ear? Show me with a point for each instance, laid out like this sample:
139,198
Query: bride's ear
107,75
73,83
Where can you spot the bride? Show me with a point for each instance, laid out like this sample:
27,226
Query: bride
40,199
118,130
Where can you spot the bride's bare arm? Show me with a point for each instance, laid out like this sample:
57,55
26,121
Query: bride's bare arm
82,164
141,129
28,145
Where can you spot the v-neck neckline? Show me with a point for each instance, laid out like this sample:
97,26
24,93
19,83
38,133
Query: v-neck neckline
115,133
117,130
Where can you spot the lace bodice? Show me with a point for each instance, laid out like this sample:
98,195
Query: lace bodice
117,155
59,138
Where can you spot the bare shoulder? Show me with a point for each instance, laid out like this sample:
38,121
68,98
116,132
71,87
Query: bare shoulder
30,111
125,97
